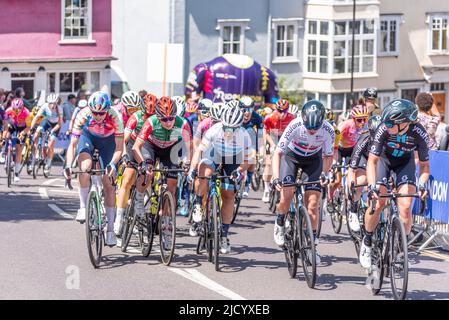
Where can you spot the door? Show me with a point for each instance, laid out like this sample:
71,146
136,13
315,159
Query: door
27,85
440,102
409,94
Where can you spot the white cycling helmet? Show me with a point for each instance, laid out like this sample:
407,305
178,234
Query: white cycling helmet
216,110
132,99
294,109
180,105
53,98
246,102
82,103
232,117
233,104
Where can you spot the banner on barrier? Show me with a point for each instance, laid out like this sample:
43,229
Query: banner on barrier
437,204
62,141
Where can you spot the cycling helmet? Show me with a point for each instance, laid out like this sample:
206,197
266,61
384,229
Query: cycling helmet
82,103
312,114
99,102
246,102
399,111
17,103
373,124
282,105
180,105
232,117
360,111
149,104
233,104
204,106
215,111
191,107
132,100
370,93
294,109
53,98
329,115
165,107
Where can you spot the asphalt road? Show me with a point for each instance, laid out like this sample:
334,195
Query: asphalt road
44,256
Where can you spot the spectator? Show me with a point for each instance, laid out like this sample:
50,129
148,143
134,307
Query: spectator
441,130
428,119
444,144
68,107
142,93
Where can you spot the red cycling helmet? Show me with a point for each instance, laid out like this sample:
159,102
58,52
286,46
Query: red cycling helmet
282,105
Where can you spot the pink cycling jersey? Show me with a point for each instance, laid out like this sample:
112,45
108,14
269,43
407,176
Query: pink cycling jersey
85,122
349,133
202,128
121,110
19,120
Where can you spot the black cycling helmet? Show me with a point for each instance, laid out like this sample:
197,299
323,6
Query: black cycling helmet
313,113
399,111
373,124
370,93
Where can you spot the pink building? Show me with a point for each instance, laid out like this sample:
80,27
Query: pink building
55,45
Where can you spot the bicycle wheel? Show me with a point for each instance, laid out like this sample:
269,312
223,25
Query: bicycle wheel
94,234
237,201
256,178
201,245
336,214
216,223
129,221
398,260
8,164
167,228
292,245
320,217
307,247
146,234
24,161
377,275
274,201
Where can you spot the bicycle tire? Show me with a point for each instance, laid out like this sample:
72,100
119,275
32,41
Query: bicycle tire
275,201
216,222
307,247
256,178
291,246
129,223
320,217
237,201
9,167
94,234
146,229
398,232
379,261
336,216
167,252
23,162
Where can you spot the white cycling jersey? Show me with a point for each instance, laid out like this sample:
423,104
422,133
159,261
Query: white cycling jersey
214,145
297,139
51,115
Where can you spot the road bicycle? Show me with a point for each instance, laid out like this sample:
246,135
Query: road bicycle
10,151
258,173
26,155
239,189
39,154
337,202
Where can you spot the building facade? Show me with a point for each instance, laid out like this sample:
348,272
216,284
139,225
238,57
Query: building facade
55,45
270,31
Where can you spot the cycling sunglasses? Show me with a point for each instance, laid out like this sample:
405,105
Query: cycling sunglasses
361,120
314,128
101,113
389,124
247,109
167,119
229,129
282,110
204,113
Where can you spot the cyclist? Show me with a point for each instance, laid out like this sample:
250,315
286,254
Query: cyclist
294,109
306,143
97,127
229,145
207,123
252,122
81,105
357,168
393,149
162,136
350,131
274,126
51,112
132,130
130,103
370,100
191,115
17,119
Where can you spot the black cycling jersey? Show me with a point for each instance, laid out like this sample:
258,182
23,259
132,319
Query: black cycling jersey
361,150
402,146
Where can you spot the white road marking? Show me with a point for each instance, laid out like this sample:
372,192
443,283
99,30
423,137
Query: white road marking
59,211
51,181
43,193
63,191
197,277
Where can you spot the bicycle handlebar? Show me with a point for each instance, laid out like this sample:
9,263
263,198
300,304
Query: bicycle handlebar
299,184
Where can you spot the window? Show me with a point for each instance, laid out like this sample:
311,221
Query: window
389,35
232,36
71,81
94,81
384,98
329,47
286,40
439,34
51,81
409,94
437,86
76,19
337,101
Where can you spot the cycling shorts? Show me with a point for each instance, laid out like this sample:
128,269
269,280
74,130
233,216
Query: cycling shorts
344,153
105,145
311,168
14,128
403,169
227,169
129,151
151,152
47,125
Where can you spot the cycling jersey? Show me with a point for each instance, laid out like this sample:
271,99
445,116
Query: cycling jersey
121,110
401,146
135,124
18,120
337,136
273,125
360,153
216,147
255,121
153,131
297,139
52,115
202,128
349,133
86,123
